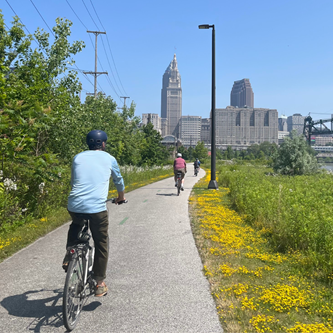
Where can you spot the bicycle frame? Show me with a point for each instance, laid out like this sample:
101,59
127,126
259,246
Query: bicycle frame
83,250
179,181
79,284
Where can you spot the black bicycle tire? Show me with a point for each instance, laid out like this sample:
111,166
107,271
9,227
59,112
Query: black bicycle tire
73,268
178,187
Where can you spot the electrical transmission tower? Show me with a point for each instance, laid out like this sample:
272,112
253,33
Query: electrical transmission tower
96,33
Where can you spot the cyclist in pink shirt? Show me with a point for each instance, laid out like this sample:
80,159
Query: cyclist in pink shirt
179,164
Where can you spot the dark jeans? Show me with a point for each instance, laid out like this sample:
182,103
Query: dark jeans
182,171
99,224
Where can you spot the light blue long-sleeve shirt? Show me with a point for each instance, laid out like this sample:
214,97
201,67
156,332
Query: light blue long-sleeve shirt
91,172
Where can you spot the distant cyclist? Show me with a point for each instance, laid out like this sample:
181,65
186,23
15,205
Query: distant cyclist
197,164
91,172
179,164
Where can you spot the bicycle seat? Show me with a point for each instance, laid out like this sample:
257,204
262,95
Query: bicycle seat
83,236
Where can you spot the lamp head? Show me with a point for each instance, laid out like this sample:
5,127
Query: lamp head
204,26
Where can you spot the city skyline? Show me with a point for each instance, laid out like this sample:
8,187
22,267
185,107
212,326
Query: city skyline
288,60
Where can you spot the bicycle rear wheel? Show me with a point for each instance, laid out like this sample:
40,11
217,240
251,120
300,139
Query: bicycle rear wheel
73,293
178,186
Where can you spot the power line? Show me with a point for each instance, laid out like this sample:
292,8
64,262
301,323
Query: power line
54,36
109,81
108,78
109,49
76,14
81,71
80,21
42,49
115,65
90,15
19,19
107,58
42,18
97,15
25,27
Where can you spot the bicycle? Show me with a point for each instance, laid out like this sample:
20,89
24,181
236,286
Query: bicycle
79,283
196,171
179,181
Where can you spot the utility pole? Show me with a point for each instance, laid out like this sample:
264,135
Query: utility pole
124,97
124,106
96,33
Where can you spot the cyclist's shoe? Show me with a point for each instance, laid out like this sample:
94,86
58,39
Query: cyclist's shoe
101,290
65,262
182,188
176,185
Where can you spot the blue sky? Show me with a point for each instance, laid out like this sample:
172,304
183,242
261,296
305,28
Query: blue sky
284,47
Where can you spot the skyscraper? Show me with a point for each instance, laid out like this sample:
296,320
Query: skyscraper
152,118
171,98
245,126
296,122
283,126
190,129
242,94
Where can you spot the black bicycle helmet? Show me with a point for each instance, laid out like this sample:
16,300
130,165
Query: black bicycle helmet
95,139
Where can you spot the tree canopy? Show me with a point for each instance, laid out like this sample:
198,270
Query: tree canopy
43,123
295,157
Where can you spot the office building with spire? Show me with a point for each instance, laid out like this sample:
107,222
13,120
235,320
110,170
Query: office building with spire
171,99
242,94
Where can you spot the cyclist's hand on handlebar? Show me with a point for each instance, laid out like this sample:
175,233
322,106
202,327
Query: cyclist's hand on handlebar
119,201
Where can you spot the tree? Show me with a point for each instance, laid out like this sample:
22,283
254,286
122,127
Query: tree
184,152
269,149
35,88
219,154
294,157
200,151
153,152
190,151
230,153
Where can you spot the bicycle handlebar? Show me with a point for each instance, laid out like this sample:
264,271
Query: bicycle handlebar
113,200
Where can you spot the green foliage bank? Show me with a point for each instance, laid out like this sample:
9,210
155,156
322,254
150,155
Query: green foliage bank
43,122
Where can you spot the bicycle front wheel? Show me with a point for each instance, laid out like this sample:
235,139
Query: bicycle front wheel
73,293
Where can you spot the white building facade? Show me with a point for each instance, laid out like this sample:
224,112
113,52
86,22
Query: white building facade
190,129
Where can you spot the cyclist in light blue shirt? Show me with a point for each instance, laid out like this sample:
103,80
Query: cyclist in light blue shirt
91,172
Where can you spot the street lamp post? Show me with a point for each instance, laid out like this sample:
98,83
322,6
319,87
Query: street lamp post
213,183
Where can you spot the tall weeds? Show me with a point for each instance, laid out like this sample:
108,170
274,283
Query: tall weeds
295,212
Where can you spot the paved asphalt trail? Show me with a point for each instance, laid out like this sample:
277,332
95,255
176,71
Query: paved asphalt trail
154,273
